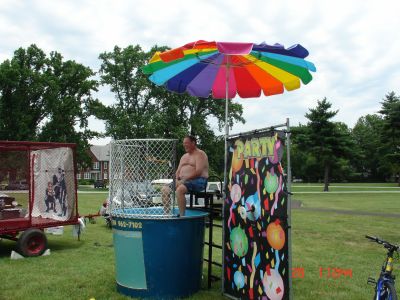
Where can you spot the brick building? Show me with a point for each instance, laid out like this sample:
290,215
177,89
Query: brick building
100,164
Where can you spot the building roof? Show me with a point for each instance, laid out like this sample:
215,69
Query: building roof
102,152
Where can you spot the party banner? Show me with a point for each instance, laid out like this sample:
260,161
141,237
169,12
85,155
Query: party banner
255,219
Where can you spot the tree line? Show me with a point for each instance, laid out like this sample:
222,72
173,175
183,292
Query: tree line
324,150
44,97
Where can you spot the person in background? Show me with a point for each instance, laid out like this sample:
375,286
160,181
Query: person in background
60,190
49,198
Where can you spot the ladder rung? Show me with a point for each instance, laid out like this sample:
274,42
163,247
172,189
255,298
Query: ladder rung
213,262
213,245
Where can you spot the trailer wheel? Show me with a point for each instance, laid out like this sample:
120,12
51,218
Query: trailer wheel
32,242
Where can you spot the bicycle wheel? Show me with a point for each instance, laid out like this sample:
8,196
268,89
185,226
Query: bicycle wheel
388,292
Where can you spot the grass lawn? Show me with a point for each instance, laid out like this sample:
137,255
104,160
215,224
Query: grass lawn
337,241
365,184
90,188
346,187
85,269
375,202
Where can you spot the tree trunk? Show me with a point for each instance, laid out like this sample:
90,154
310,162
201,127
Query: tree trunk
398,179
326,178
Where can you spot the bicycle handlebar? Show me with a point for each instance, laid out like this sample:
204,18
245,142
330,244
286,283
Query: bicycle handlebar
384,243
373,238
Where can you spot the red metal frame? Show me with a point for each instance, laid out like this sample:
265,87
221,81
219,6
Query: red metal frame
11,227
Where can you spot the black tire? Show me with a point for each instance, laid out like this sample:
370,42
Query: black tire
391,290
32,242
388,290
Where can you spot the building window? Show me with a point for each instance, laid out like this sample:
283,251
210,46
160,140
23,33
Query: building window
86,175
78,176
105,165
105,175
96,165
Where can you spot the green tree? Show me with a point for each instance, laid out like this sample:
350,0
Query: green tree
72,88
144,110
390,151
304,164
25,90
325,140
133,114
367,137
346,152
45,98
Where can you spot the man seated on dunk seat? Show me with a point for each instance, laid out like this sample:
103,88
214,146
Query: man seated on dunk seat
191,175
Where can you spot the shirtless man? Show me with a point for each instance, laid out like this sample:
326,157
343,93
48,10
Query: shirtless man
192,172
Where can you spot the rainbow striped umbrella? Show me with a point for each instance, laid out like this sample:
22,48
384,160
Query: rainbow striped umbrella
224,70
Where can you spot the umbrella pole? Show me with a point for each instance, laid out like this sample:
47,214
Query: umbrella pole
226,120
225,189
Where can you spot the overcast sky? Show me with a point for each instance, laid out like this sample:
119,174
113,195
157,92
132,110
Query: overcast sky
355,45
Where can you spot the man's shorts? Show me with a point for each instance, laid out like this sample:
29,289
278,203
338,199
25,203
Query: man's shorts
196,185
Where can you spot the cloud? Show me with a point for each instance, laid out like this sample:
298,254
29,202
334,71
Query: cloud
353,44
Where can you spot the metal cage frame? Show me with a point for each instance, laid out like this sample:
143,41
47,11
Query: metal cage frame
10,227
136,167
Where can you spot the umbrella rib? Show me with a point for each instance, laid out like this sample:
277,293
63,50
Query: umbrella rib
242,64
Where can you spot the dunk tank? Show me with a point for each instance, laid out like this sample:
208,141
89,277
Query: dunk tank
38,191
157,253
257,256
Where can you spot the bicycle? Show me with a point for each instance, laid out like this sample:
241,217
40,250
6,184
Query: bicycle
385,286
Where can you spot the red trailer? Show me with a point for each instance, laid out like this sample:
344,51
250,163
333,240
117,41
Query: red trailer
39,190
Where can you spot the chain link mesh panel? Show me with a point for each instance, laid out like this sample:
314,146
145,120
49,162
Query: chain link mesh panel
142,178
